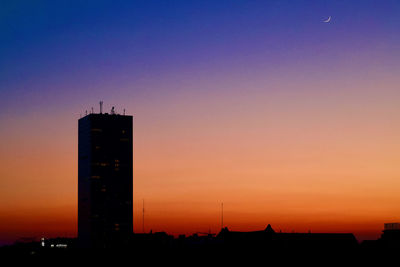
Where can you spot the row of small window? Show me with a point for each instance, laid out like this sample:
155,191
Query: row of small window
103,164
116,225
97,130
103,189
98,177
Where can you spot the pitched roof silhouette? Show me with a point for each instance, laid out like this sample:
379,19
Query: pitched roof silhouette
269,229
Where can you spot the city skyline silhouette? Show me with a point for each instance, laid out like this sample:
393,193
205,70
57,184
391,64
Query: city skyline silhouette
286,113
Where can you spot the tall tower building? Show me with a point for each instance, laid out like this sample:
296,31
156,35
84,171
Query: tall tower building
105,170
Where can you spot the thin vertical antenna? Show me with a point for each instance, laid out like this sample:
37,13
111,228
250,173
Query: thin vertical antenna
101,107
124,112
222,215
92,110
133,156
143,216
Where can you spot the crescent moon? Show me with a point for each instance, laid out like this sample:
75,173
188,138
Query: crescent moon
327,20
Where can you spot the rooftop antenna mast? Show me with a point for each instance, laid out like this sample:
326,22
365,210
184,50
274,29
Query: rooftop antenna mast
101,107
143,216
222,215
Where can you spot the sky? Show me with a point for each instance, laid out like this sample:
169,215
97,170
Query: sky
259,105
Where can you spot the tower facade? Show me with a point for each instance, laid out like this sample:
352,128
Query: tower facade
105,173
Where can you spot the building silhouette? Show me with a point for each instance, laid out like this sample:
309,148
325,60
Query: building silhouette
105,169
388,243
268,239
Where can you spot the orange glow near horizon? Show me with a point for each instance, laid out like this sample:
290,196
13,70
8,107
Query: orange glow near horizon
296,163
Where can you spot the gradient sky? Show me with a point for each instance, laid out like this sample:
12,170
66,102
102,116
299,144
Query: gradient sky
257,104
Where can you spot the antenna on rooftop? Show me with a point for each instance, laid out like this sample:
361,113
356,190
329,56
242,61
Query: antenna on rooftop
101,107
143,216
222,215
92,110
124,112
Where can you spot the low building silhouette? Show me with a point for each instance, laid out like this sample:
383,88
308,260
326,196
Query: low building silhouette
269,239
388,242
391,234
